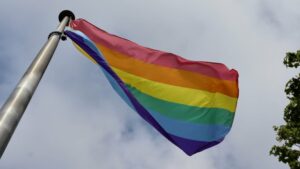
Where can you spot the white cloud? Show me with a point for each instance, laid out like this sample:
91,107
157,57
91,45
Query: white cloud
75,119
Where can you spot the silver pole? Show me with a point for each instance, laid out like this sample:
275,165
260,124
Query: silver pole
14,107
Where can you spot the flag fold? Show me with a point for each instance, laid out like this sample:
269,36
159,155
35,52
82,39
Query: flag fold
191,103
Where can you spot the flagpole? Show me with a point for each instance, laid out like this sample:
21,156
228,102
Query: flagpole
14,107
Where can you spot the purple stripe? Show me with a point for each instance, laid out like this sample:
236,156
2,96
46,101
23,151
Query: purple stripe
190,147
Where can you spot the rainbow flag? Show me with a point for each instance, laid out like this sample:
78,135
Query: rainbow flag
191,103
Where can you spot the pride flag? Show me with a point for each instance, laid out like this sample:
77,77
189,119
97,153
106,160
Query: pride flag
191,103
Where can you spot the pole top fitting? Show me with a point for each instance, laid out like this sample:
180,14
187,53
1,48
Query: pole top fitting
66,13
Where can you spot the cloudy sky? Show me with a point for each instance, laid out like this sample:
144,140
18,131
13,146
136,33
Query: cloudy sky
75,119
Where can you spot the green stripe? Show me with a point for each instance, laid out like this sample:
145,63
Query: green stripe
183,112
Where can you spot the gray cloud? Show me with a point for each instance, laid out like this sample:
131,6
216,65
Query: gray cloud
76,120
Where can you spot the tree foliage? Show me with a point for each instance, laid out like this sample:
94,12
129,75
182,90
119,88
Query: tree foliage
289,134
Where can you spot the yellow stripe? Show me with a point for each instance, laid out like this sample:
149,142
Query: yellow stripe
84,53
177,94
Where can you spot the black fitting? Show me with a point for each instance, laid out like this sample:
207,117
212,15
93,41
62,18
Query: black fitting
64,13
54,32
62,35
61,16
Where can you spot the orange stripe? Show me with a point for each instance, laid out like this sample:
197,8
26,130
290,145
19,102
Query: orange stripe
168,75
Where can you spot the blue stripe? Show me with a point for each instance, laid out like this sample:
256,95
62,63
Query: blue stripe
192,131
117,88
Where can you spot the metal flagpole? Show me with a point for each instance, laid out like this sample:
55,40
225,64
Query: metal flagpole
14,107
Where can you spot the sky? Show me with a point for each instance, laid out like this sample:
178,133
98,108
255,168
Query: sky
75,120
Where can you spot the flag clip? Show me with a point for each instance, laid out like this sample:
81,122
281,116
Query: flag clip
63,36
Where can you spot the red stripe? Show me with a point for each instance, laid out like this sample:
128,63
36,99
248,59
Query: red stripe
153,56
